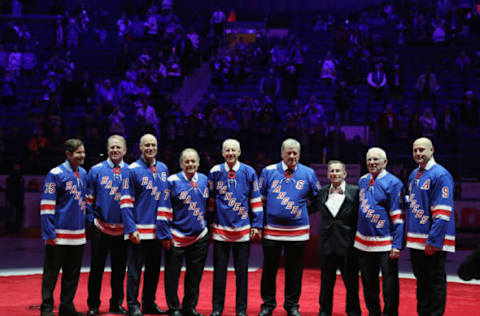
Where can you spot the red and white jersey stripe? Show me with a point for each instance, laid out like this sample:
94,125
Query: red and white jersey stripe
286,233
372,243
47,207
181,240
231,234
109,228
70,237
164,213
396,216
441,212
418,241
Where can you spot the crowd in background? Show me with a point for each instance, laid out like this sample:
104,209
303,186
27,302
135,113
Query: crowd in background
139,97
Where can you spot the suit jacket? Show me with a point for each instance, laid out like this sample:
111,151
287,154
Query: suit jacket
337,233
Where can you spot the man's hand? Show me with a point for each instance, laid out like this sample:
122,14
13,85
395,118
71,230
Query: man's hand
51,242
255,233
430,250
394,253
166,243
135,237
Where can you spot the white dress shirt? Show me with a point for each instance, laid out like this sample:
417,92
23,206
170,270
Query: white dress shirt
335,198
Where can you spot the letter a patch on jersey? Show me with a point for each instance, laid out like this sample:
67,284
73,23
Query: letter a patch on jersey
426,185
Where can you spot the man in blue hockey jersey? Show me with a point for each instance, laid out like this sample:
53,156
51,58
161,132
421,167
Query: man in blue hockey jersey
286,187
103,207
379,233
145,211
189,195
430,227
62,213
237,218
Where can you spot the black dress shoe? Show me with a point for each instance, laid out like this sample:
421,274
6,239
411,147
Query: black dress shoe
153,309
241,314
69,312
135,312
216,313
191,312
293,312
117,309
92,312
265,312
175,312
47,313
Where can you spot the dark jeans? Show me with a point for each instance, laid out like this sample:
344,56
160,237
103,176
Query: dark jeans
148,253
293,255
431,282
101,245
221,252
370,265
348,266
69,258
195,256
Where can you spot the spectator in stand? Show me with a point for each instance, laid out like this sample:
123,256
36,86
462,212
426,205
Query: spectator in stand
59,33
8,89
29,61
328,71
447,124
343,99
116,125
469,110
14,61
297,56
3,58
377,81
463,63
146,118
174,72
125,89
86,90
387,126
184,51
396,79
270,85
439,35
124,27
218,22
290,80
107,95
151,24
72,33
429,123
427,87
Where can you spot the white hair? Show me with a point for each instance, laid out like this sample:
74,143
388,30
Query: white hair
187,151
378,150
290,142
230,142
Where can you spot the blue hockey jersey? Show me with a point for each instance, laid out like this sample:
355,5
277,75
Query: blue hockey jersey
103,196
238,202
63,206
430,217
189,205
380,221
286,216
144,201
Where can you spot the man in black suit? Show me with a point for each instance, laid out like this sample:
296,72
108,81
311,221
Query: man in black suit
338,204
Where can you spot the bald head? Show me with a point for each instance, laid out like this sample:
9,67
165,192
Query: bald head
148,147
422,151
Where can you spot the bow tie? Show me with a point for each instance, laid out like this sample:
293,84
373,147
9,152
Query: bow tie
419,173
337,190
371,182
288,173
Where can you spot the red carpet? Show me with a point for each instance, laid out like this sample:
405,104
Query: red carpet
21,295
